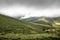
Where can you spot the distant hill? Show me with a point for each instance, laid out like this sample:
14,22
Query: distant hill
39,20
31,19
52,21
11,25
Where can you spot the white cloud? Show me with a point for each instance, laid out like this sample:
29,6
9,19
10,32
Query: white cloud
28,12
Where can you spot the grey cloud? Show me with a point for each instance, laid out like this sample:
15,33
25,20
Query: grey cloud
31,3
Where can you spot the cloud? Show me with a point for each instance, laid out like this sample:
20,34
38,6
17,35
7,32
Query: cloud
30,7
31,3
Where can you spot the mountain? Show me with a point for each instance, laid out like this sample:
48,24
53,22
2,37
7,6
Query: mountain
8,25
11,25
56,22
51,21
39,20
31,19
14,29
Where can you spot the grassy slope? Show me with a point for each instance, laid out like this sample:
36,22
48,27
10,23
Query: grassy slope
39,20
46,21
8,24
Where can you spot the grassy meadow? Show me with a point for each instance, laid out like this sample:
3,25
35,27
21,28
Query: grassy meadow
14,29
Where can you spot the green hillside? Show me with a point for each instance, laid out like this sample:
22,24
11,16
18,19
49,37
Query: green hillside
51,21
31,19
40,20
8,24
45,22
14,29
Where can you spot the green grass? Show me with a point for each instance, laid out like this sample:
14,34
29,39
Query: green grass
27,36
11,28
8,24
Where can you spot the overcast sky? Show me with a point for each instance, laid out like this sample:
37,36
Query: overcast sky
30,8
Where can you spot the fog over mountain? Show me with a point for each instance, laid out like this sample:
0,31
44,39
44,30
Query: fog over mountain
30,8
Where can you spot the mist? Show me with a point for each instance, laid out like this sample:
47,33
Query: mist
30,8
